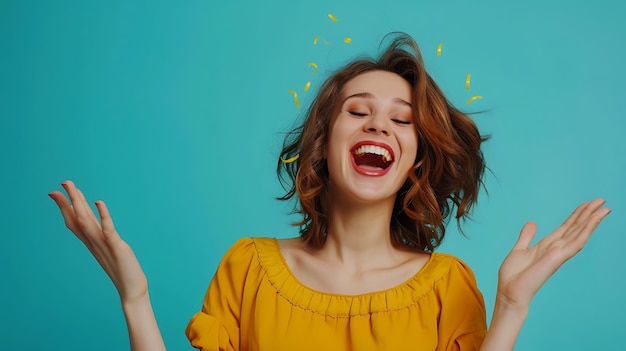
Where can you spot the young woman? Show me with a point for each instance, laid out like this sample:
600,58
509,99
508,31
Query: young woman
384,160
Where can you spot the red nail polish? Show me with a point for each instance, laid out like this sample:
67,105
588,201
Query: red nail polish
50,194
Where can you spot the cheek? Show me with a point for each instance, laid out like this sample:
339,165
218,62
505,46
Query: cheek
409,144
336,138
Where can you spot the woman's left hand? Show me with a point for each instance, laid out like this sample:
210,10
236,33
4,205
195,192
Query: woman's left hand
526,269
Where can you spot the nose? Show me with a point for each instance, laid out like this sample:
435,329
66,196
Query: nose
376,124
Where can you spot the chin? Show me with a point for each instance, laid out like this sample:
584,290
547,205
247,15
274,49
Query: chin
365,195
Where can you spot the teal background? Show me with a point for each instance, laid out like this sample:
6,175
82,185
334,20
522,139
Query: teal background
172,112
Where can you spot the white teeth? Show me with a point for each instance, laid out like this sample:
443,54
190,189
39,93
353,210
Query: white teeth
373,149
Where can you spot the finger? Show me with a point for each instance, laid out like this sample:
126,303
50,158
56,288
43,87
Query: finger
526,236
589,210
87,207
572,218
72,192
108,229
84,215
66,211
589,227
573,230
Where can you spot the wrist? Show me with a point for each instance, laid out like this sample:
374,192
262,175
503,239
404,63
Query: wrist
508,316
508,307
506,323
137,303
143,330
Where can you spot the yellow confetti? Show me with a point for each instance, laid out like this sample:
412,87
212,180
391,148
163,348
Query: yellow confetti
439,49
469,101
332,18
467,81
295,97
348,40
307,86
291,159
317,38
313,64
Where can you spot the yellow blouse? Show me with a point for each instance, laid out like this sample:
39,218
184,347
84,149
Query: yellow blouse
255,303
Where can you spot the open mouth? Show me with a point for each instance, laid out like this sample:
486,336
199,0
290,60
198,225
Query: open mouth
372,158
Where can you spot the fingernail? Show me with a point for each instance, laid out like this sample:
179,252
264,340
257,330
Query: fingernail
51,196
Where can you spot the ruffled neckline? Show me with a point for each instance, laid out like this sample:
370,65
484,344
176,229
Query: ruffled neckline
402,296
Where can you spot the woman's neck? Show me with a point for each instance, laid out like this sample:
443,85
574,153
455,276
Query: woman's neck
359,235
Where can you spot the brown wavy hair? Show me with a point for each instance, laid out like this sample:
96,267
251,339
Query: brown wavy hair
448,169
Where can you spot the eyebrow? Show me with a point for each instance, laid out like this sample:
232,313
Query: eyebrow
370,96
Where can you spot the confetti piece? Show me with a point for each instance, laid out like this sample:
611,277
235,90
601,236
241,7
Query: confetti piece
307,86
348,40
439,49
332,18
313,64
295,97
467,81
469,101
317,38
291,159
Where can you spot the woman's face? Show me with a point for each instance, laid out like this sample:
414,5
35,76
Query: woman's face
373,141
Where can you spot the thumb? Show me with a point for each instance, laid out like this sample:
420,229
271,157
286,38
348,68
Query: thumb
526,235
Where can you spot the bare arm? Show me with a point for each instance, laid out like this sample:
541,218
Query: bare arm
118,261
143,330
527,268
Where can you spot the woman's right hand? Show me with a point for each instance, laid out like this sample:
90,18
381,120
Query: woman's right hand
114,255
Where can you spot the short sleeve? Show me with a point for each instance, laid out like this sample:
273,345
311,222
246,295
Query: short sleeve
216,327
462,322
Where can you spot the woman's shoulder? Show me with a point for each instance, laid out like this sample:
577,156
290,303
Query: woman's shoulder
249,243
245,257
242,252
251,249
445,264
447,260
448,271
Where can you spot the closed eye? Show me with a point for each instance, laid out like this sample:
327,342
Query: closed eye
399,121
359,114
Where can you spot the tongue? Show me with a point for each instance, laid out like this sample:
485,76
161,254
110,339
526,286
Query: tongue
370,161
